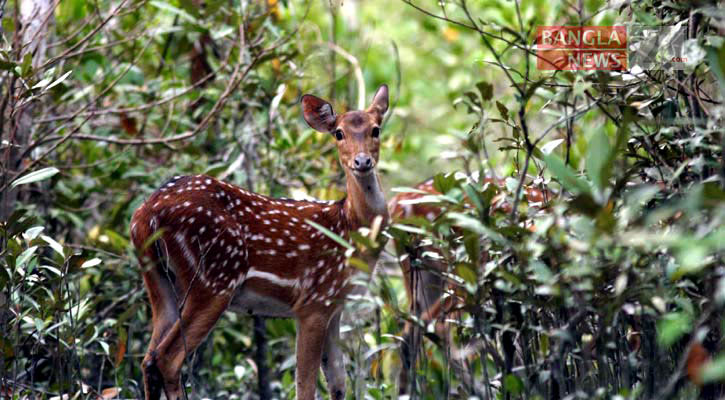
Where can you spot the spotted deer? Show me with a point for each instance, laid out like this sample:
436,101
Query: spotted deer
226,248
424,285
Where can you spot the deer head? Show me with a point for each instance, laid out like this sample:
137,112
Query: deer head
358,143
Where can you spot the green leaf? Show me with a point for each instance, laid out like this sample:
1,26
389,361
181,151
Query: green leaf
714,371
7,65
566,176
35,176
53,244
8,26
599,160
25,256
444,182
408,228
550,146
467,273
532,89
33,232
43,83
58,81
486,90
716,60
503,110
466,222
26,68
473,196
513,384
332,235
671,327
91,263
173,10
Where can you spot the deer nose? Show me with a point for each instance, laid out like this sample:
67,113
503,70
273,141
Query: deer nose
363,162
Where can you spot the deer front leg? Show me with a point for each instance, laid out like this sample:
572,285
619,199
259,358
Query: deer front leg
333,364
311,332
164,314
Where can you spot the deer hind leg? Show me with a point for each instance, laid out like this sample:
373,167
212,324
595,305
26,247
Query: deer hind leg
411,332
200,313
333,364
311,332
164,313
424,288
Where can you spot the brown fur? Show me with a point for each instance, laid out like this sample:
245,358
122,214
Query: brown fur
221,243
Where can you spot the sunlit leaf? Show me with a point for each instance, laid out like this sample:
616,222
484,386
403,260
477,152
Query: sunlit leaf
551,145
35,176
91,263
25,256
53,244
33,232
58,81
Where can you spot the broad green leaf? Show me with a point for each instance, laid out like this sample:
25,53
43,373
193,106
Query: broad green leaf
671,327
8,24
714,371
465,272
25,256
33,232
513,384
53,244
566,176
35,176
466,222
486,90
444,182
599,160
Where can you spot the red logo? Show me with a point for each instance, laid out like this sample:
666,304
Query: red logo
581,48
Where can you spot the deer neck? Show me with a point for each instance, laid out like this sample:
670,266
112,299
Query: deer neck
365,200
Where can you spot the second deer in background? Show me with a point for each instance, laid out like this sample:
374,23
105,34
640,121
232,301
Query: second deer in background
424,285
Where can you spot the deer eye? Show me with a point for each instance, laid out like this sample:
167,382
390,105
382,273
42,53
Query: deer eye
338,134
376,132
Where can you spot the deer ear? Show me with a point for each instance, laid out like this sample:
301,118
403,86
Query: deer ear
318,113
380,101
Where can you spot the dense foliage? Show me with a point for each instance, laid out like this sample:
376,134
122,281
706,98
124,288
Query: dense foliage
605,290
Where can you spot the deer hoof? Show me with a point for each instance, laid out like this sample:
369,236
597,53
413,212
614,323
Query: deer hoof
153,378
